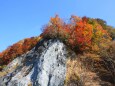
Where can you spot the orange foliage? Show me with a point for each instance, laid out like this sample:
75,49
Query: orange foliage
18,49
81,33
56,29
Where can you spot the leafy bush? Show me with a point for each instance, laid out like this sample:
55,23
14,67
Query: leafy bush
109,29
101,37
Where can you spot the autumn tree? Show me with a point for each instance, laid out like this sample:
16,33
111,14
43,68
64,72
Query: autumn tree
100,36
56,28
81,35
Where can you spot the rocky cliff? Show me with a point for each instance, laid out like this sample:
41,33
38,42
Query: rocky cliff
44,65
51,63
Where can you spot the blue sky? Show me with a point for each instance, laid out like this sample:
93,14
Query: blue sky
20,19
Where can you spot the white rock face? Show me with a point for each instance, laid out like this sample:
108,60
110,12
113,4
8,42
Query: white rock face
44,67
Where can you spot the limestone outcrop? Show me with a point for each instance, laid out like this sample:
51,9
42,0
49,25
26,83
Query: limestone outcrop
44,65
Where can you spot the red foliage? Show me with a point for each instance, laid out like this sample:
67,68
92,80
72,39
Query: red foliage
18,49
84,33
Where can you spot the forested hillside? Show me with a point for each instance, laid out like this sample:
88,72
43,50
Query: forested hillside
91,39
